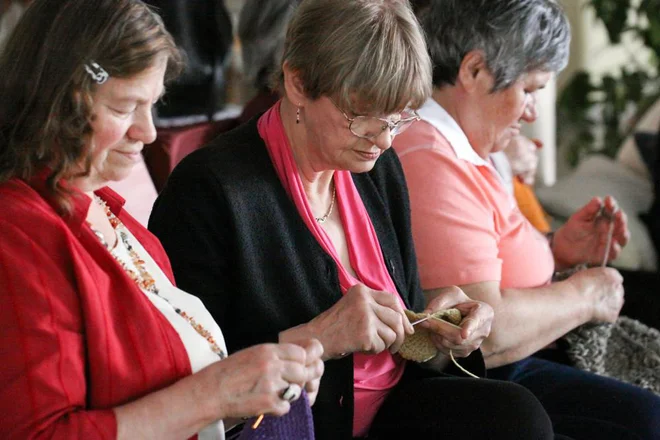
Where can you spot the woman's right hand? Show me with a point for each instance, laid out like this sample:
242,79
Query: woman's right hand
251,381
602,289
364,320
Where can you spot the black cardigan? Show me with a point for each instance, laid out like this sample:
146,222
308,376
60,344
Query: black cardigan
236,240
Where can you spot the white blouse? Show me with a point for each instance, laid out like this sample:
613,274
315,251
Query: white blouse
169,296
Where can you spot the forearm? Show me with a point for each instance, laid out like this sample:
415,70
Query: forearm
176,412
527,320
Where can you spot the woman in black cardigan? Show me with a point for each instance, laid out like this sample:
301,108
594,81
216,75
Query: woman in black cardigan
297,224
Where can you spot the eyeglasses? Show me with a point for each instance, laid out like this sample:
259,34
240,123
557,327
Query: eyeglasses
370,127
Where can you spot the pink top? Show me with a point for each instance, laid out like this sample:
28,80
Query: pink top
466,226
374,375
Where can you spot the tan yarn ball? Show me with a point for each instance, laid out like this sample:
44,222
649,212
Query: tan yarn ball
418,347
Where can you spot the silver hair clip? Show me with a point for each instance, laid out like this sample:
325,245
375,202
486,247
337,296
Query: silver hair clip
97,72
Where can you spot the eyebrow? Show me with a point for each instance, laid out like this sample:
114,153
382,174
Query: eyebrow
135,98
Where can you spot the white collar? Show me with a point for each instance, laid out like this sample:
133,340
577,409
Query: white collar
434,114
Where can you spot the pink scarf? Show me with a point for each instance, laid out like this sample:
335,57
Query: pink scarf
373,375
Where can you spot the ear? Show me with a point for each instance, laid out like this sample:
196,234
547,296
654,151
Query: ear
293,85
473,74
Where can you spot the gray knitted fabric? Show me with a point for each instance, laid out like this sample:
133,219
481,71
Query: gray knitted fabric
627,350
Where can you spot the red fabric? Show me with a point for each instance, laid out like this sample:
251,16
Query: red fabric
374,375
77,336
175,143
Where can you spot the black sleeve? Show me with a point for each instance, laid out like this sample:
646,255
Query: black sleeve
189,219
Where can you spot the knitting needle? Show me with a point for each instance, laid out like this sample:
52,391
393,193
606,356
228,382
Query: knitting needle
414,323
257,422
610,233
420,320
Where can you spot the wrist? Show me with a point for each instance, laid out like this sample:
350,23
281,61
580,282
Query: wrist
554,242
212,406
583,309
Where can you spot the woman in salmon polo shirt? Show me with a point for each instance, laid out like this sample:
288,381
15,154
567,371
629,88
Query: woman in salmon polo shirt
489,59
96,341
299,219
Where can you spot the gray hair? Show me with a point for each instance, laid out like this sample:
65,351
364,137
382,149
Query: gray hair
515,36
261,29
369,55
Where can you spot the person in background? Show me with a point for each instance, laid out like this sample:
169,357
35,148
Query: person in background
296,225
517,164
96,339
489,59
261,31
202,29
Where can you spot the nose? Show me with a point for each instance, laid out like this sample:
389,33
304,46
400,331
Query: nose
143,128
530,114
384,139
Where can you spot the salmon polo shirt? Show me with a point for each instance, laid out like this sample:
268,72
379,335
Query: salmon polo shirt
466,226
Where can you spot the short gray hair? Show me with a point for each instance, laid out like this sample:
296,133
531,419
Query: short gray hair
261,29
516,37
369,55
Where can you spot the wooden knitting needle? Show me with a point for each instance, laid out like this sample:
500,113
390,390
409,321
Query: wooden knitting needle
257,422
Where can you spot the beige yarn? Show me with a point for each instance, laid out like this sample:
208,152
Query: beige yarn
418,347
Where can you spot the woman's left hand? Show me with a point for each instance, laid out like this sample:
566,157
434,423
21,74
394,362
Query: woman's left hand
584,236
474,328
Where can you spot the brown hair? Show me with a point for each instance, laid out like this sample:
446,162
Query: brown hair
45,92
366,52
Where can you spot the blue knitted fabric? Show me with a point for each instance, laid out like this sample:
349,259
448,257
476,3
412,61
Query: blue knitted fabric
297,424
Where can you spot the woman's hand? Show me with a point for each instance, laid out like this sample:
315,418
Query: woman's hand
584,236
602,290
474,328
315,366
364,320
251,381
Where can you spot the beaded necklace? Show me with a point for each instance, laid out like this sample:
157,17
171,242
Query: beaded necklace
145,281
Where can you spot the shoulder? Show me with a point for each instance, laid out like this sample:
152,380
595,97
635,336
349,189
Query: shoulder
26,219
422,137
23,207
428,158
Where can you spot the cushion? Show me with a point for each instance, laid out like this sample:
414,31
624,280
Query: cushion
174,143
646,143
628,154
600,176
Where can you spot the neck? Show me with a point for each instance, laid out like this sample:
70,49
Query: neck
316,181
452,99
447,98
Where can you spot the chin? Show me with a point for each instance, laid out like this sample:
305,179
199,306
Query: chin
361,167
501,144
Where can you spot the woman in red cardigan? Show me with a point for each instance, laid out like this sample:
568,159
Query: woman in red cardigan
96,340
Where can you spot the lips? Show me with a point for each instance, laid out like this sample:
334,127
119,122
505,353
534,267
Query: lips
132,155
369,155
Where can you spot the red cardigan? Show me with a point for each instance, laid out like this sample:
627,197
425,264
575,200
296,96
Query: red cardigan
77,336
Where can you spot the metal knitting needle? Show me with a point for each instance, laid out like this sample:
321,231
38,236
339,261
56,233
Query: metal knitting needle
610,233
420,320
